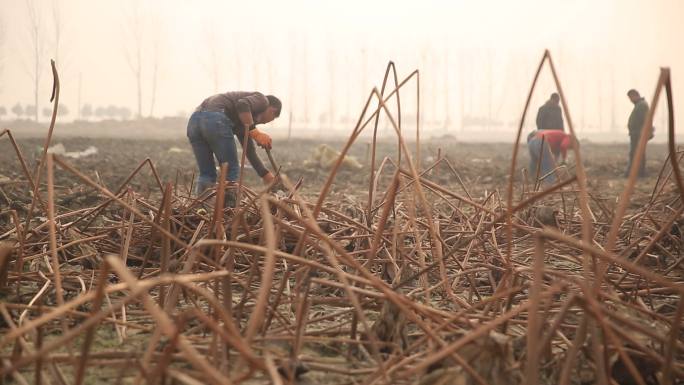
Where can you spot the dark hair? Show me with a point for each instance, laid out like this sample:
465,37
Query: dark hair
555,96
633,92
275,103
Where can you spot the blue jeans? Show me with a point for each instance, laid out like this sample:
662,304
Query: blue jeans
547,162
211,134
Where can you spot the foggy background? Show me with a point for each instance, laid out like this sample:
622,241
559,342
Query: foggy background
130,59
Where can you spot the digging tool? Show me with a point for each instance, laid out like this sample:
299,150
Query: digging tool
276,169
275,166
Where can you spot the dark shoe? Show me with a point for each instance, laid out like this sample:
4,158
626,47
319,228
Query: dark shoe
201,187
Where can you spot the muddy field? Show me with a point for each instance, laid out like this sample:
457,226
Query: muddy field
482,166
370,301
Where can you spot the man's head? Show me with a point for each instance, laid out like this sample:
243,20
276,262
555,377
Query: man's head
271,112
633,95
555,98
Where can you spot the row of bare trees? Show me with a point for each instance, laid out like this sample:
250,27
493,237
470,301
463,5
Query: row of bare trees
106,112
142,31
41,33
143,50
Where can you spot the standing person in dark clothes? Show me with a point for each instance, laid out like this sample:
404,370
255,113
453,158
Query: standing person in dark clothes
550,115
212,126
635,124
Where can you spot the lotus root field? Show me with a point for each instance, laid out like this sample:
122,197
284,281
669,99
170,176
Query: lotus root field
436,262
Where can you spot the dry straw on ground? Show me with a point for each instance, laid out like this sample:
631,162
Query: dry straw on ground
417,285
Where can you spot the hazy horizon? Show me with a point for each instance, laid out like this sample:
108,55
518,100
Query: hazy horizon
476,59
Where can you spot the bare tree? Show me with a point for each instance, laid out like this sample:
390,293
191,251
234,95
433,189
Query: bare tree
78,102
30,110
447,106
2,45
124,113
57,24
36,38
215,59
238,66
100,112
257,57
86,111
58,48
305,82
18,110
156,59
143,49
63,110
134,29
331,96
291,102
111,111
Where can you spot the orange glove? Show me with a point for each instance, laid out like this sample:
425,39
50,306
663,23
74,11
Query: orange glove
268,178
263,140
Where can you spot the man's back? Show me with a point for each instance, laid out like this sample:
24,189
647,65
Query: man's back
550,117
556,139
232,103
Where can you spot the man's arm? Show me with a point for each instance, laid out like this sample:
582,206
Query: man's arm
245,107
251,153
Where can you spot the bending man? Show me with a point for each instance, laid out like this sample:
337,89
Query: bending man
545,146
212,126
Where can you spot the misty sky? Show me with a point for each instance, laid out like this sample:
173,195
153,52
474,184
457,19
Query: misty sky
322,58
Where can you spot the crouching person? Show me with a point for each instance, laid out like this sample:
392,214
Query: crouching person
545,147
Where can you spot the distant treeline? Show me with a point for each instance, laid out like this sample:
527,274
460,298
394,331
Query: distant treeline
87,112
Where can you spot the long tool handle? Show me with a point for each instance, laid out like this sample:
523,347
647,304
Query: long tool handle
276,168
